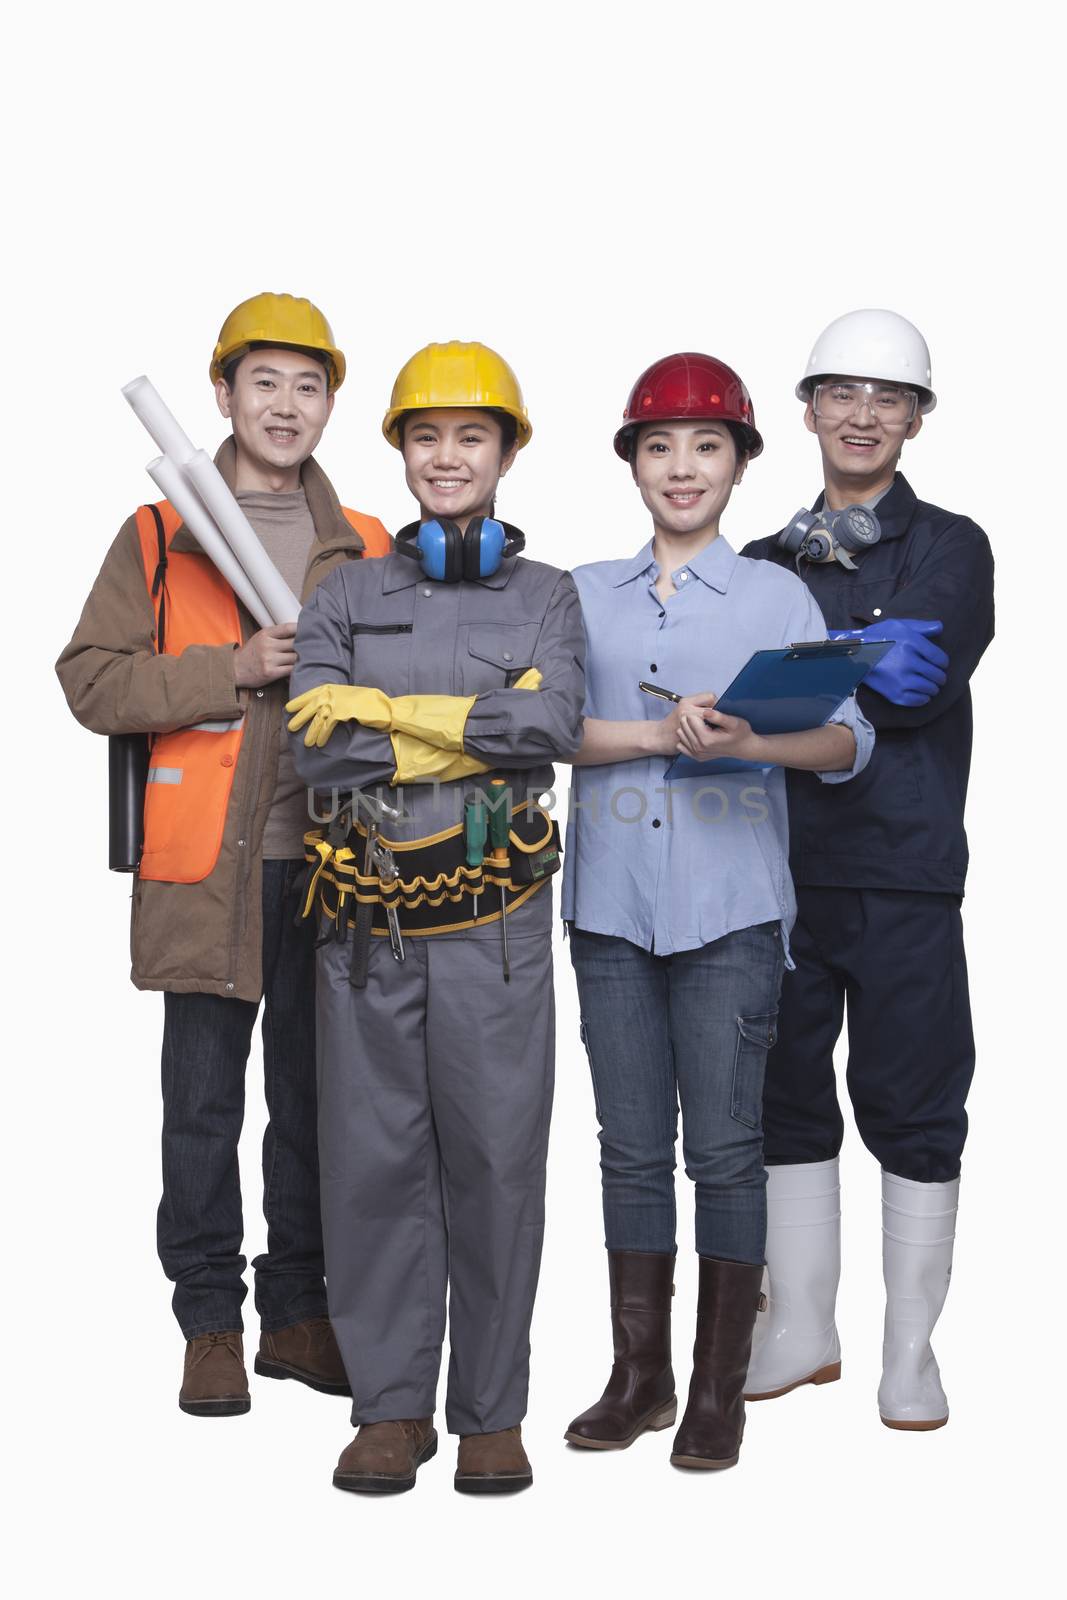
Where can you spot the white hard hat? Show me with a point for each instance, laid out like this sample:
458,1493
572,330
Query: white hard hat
872,344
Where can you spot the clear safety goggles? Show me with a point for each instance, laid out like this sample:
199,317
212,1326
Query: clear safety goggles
886,402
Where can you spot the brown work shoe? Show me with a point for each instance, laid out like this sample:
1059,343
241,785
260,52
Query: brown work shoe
306,1351
493,1463
384,1457
215,1383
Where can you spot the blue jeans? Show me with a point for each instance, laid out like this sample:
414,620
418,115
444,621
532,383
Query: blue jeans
206,1042
693,1028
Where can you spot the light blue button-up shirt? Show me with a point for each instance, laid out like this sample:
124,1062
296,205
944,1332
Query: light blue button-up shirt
674,866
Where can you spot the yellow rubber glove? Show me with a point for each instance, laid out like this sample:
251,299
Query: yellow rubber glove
323,707
419,760
437,720
531,679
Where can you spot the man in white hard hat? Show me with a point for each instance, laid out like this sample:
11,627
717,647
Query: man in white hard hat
879,866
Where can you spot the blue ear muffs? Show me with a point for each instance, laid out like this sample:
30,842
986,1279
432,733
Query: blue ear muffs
449,556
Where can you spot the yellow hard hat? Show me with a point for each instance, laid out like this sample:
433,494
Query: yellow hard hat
456,375
277,319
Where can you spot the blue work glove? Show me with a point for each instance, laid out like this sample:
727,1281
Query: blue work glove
914,670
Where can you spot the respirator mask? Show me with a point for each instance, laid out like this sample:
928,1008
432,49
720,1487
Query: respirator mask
816,534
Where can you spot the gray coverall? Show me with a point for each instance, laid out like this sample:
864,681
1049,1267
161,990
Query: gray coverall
435,1081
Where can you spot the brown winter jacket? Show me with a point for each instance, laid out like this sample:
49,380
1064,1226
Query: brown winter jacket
201,937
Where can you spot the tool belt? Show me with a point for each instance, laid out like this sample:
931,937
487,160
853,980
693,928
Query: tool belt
434,890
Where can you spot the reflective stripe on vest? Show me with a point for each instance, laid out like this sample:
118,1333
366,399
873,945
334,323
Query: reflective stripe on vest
190,772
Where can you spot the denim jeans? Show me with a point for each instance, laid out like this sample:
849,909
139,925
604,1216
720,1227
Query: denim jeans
206,1042
692,1028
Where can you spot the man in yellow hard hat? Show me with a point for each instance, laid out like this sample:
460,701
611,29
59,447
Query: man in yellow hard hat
164,649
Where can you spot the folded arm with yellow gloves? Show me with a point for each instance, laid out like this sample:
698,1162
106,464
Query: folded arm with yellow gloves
426,730
349,735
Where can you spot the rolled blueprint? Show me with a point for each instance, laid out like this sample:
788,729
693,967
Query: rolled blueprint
240,535
150,409
192,482
186,502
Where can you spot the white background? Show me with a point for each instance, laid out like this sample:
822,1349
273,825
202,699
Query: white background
585,188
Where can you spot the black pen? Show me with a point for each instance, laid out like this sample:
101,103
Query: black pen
660,693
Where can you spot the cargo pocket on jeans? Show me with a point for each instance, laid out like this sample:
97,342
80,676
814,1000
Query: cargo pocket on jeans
755,1035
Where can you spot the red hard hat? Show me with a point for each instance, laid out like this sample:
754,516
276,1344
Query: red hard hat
686,387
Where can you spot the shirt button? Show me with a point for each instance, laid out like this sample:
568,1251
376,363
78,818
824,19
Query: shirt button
427,593
653,667
655,822
508,656
878,611
226,761
240,844
259,694
229,988
683,576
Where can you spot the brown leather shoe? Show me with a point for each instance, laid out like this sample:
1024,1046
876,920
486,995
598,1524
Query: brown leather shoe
640,1393
714,1420
384,1457
215,1383
493,1463
306,1351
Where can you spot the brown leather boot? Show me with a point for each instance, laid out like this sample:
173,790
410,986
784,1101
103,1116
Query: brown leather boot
306,1351
384,1457
493,1463
640,1393
714,1420
215,1383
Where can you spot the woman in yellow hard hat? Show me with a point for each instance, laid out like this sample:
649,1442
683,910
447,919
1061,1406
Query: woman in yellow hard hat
453,668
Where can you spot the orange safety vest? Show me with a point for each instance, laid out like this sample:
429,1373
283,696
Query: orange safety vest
190,771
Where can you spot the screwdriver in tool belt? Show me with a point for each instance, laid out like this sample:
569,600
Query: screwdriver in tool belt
474,830
499,828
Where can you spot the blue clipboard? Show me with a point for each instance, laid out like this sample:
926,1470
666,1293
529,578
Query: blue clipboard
786,691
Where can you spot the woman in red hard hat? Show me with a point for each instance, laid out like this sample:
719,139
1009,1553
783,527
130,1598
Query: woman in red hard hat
679,901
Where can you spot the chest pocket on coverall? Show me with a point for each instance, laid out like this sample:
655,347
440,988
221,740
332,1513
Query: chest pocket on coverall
496,656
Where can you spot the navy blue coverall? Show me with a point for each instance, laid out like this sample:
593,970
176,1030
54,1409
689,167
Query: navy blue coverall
879,866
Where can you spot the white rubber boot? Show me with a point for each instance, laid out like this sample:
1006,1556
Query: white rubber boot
918,1228
796,1337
